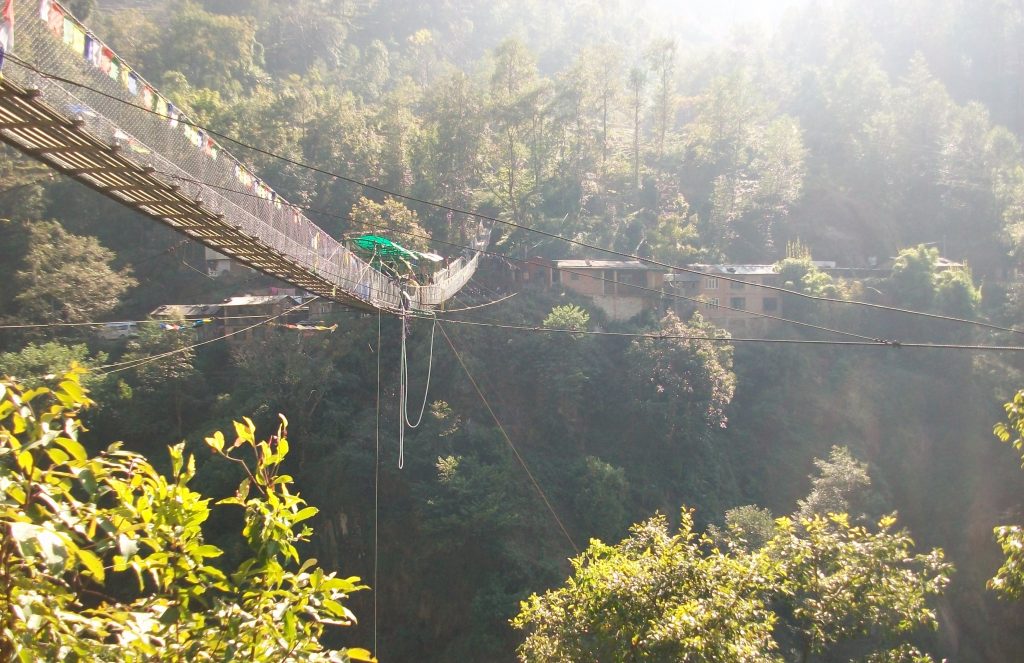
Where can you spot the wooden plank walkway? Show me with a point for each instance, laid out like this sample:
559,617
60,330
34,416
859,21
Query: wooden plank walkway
31,126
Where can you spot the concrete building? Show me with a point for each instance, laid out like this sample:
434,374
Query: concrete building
620,288
218,264
235,314
730,305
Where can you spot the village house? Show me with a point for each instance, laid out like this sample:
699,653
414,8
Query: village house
626,288
218,264
620,288
737,306
234,314
175,313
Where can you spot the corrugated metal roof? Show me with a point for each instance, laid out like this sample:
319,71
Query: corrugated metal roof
603,264
185,310
257,300
735,270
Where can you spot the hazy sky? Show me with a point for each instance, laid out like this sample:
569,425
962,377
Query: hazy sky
717,17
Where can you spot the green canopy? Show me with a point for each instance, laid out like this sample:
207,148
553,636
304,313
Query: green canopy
383,248
386,256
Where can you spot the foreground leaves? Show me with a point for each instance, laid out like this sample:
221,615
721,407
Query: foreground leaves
76,526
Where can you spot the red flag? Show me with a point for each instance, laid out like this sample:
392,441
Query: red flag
7,25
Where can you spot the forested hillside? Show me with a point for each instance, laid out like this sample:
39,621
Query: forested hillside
856,132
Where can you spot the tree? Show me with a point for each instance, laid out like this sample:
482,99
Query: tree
568,316
34,362
162,363
1009,581
77,527
956,294
745,163
912,282
798,272
841,479
656,596
672,597
515,91
391,216
661,57
217,52
674,237
66,277
637,82
682,383
748,527
843,582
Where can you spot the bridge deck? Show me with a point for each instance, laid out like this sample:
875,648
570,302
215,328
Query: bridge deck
28,124
69,101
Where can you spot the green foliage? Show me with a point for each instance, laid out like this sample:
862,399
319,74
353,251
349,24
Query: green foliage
956,294
912,282
669,597
840,484
35,361
845,582
655,596
569,316
76,526
217,52
160,387
917,282
799,273
374,218
748,527
832,131
675,237
65,277
680,381
1009,581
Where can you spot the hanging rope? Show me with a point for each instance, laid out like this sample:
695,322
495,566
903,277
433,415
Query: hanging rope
426,391
403,388
376,491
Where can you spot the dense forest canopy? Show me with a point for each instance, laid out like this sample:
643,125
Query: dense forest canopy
880,135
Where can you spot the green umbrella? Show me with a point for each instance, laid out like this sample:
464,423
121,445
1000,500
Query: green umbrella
382,252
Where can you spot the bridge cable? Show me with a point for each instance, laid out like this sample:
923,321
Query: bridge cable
508,441
135,363
662,293
513,224
655,336
376,490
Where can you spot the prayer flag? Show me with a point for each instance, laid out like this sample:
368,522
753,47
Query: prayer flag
54,19
106,58
6,25
104,62
92,50
77,36
81,109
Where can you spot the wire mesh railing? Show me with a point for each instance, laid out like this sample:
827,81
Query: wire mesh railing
116,105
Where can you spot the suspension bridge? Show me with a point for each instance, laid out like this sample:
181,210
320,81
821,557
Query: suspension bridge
69,101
